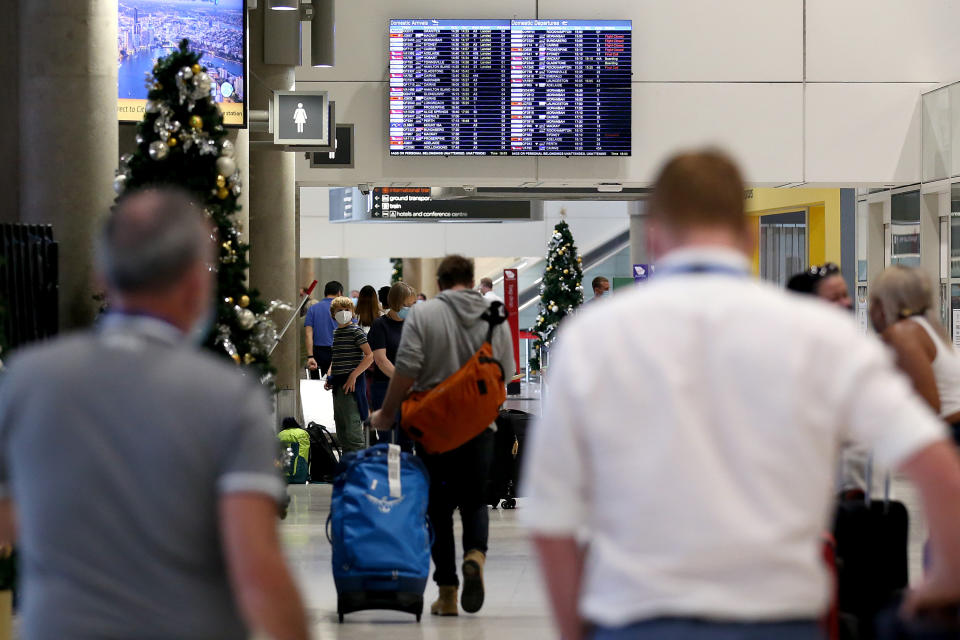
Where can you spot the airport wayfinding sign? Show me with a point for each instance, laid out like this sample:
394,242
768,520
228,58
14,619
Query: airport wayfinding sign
301,118
414,204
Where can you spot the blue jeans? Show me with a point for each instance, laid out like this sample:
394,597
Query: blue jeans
689,629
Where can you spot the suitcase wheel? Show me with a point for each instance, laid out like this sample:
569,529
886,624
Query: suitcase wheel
509,503
419,616
341,618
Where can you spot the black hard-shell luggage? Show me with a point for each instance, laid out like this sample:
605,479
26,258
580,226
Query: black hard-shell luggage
872,567
507,458
325,453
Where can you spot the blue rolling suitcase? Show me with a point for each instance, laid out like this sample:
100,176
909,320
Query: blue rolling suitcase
379,530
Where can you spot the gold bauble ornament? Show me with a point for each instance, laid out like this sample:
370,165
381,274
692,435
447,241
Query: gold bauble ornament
171,141
227,246
228,301
565,272
196,122
244,301
222,193
248,358
236,357
221,181
196,68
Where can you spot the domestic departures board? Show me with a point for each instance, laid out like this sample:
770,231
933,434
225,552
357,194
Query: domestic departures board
510,87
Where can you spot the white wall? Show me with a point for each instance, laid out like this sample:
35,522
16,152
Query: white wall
590,222
838,104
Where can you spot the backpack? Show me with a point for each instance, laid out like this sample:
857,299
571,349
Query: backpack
461,407
298,442
325,453
379,530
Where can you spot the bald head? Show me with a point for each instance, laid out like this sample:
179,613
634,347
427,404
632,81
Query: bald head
151,240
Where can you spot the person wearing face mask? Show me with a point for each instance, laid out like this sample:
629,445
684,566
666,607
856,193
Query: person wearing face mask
142,420
826,282
601,286
384,339
351,357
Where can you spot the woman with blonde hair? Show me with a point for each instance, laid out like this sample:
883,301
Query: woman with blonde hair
901,310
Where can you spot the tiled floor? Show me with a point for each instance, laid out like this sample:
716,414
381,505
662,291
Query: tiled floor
514,607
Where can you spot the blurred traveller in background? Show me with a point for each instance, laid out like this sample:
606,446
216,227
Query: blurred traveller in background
368,308
152,509
382,295
422,297
319,327
384,339
439,337
600,287
901,310
486,290
825,282
684,495
351,358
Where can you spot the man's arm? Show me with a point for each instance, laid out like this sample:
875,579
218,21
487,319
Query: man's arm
561,562
308,330
935,471
398,389
269,601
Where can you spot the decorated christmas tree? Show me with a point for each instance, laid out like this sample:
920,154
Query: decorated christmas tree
181,141
397,275
561,290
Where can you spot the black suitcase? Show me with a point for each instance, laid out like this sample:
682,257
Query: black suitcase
872,568
507,458
325,453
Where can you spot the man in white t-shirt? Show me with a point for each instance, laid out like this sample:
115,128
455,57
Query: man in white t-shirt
681,476
486,290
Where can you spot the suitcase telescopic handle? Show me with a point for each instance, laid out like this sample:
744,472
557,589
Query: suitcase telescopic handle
868,478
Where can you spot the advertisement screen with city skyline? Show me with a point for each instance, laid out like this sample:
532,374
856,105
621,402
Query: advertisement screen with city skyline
149,29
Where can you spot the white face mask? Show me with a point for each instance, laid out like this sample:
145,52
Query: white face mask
343,317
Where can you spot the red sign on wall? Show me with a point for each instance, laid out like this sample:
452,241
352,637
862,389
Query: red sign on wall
511,300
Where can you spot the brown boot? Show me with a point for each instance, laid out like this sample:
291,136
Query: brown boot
446,604
472,599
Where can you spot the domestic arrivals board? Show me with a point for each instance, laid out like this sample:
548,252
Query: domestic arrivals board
510,87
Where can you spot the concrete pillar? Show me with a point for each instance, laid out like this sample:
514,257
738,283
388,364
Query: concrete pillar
10,112
68,133
272,184
638,234
421,274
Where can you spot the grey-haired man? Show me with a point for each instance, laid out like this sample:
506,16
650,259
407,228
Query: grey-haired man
140,470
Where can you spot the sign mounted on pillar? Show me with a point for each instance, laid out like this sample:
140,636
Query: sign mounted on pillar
511,300
301,118
641,272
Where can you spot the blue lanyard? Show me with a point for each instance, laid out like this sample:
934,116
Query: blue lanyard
701,268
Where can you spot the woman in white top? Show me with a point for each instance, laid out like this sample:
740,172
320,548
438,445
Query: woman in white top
901,309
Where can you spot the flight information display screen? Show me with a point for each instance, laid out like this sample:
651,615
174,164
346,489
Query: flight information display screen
510,87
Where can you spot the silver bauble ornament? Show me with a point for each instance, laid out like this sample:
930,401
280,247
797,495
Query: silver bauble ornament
158,150
125,159
236,190
139,139
226,151
226,166
152,106
245,318
120,183
173,126
185,72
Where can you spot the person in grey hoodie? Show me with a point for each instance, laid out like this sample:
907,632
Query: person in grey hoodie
439,337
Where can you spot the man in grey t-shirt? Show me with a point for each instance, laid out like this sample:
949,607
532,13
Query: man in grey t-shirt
141,471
